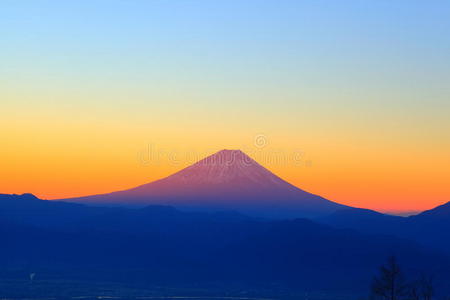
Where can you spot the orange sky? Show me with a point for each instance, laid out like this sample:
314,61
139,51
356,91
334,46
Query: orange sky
360,88
54,161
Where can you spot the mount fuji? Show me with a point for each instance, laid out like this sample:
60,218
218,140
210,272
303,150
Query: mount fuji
226,180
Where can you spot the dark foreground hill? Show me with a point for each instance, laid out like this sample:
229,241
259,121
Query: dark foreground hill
159,245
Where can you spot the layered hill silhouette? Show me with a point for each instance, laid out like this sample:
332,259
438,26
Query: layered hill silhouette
430,228
163,245
151,241
226,180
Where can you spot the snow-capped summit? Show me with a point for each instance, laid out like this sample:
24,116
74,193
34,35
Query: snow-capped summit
228,179
227,166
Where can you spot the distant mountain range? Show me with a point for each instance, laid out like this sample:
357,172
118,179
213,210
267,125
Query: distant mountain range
228,179
225,219
430,228
162,245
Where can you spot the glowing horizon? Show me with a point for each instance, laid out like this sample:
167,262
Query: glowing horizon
361,90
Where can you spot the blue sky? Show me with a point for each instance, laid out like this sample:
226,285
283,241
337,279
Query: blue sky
315,75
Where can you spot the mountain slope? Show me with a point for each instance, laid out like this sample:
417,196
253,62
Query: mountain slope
441,212
364,220
431,228
227,180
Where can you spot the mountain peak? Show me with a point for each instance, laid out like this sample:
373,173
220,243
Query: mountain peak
226,166
227,179
229,151
225,158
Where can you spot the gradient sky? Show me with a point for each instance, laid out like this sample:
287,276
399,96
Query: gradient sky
360,88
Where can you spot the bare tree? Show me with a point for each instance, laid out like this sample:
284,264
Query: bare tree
390,284
422,289
414,291
427,287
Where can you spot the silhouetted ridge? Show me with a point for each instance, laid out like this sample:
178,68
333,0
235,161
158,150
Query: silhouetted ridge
439,211
26,196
